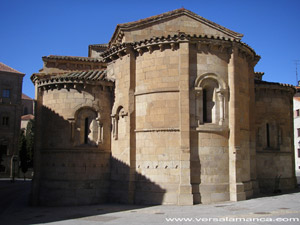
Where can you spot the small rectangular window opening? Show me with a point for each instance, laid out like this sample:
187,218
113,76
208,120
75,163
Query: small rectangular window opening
6,93
5,120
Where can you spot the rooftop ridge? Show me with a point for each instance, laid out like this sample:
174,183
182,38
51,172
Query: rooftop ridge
6,68
176,12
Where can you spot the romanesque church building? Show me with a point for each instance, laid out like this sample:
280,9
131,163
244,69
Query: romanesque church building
170,111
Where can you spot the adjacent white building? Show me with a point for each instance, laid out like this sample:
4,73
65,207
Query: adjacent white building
297,132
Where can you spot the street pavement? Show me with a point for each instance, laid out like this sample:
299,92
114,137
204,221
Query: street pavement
14,209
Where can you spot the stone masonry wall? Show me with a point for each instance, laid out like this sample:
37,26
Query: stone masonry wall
157,126
275,159
170,27
73,173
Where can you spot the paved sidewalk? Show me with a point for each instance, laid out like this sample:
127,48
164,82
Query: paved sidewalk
283,206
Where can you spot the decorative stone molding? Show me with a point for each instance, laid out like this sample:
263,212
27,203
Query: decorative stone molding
162,90
158,130
221,44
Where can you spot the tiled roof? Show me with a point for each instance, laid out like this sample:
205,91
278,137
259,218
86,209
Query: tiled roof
27,117
100,45
26,97
77,58
176,12
90,75
6,68
297,99
275,84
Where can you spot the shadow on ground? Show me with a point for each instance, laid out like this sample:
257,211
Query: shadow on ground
271,194
15,210
14,207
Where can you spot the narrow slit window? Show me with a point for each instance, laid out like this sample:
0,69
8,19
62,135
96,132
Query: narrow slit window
5,121
268,135
86,130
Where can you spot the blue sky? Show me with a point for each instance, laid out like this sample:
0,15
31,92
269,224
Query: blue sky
31,29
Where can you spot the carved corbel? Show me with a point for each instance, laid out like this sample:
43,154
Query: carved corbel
172,46
198,46
120,55
150,48
161,47
140,51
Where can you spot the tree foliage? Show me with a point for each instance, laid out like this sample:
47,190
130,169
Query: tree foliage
30,142
23,153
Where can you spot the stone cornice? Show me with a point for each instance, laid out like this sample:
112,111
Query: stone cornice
172,42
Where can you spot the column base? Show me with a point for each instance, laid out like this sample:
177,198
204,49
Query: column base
237,192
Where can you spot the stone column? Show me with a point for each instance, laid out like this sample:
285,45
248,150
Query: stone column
100,131
253,138
185,196
199,105
236,187
222,107
131,117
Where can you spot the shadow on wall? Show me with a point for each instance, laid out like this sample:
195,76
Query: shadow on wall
84,175
140,191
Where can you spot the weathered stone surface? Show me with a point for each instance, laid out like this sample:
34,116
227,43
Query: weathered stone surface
184,124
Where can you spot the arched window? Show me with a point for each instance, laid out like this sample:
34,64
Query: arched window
87,127
210,99
120,113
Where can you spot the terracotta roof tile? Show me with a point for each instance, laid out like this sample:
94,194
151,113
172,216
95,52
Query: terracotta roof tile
27,117
6,68
77,58
297,99
26,97
90,75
